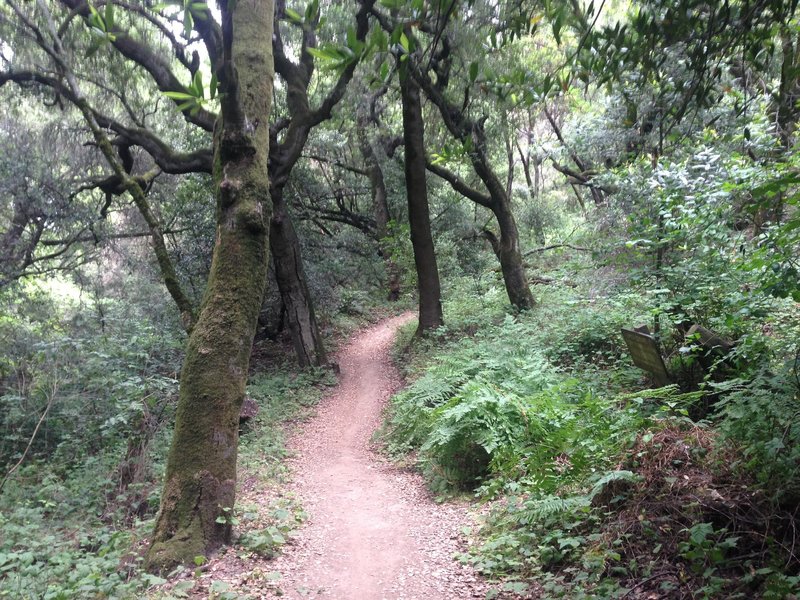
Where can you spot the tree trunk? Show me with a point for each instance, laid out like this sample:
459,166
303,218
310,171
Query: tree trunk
430,305
533,163
380,205
785,100
498,201
289,274
510,257
200,480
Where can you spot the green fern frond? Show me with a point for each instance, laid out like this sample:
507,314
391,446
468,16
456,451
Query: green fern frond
548,507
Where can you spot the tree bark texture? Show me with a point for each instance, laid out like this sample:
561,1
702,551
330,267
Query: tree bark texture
510,257
430,305
380,204
200,479
497,200
291,280
285,244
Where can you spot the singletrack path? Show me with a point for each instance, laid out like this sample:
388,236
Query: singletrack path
374,532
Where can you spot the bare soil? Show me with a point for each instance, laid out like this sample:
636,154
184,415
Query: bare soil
374,531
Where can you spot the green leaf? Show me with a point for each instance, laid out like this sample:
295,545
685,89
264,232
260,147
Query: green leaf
404,42
312,11
197,84
325,54
109,20
95,18
188,23
473,71
212,86
293,16
557,25
182,588
153,579
179,96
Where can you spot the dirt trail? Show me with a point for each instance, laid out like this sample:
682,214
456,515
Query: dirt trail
374,532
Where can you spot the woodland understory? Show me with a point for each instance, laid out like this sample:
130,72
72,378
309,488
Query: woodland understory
199,203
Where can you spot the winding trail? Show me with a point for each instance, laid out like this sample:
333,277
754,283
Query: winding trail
374,532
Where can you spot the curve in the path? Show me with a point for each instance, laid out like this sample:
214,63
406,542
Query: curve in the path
374,532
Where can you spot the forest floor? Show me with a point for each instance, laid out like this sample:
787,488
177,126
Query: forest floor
373,530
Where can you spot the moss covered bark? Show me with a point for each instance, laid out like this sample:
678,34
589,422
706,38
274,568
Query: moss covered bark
200,478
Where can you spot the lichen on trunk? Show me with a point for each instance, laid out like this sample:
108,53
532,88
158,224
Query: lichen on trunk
200,479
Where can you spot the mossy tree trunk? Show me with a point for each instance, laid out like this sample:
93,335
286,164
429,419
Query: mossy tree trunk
200,480
430,305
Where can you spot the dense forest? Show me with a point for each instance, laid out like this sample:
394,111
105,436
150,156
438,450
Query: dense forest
591,207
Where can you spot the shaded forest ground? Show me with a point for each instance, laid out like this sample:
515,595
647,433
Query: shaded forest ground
349,523
591,484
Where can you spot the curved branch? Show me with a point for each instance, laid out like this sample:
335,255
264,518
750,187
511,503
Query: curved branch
459,185
165,157
159,70
54,47
284,156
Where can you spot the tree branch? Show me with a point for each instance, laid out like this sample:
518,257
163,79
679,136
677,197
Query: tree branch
167,159
459,185
159,70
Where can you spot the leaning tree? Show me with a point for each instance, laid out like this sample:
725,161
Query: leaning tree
201,468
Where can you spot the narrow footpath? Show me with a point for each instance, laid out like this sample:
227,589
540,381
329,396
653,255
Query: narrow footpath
374,531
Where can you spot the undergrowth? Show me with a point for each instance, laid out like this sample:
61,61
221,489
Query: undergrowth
65,534
598,487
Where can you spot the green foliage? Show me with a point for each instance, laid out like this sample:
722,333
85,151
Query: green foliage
104,376
101,27
100,378
263,542
759,418
497,411
37,561
538,414
194,98
775,256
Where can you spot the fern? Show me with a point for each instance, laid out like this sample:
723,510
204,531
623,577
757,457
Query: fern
611,477
668,393
549,507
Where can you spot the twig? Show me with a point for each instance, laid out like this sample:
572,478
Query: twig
643,581
551,246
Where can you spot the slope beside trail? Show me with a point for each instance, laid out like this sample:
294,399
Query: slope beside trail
373,532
